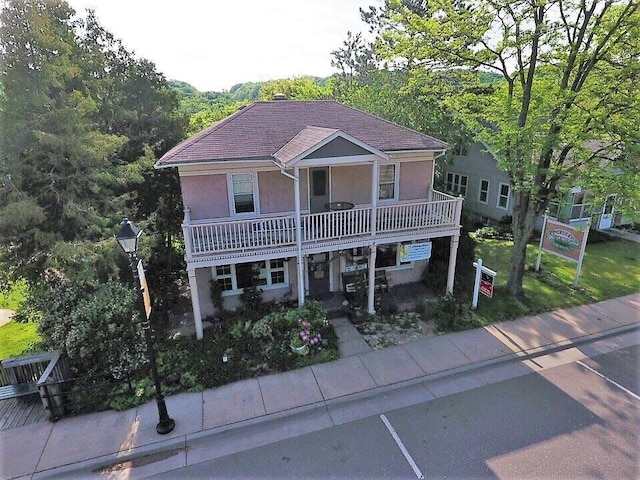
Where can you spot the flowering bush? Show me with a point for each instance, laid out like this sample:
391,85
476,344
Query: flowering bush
309,335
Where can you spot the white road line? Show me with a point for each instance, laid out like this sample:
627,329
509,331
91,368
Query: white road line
609,380
402,448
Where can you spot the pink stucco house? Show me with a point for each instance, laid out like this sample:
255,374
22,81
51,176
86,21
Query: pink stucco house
302,193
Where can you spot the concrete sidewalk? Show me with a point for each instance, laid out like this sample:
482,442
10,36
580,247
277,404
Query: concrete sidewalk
258,411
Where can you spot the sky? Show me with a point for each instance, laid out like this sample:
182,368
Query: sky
215,44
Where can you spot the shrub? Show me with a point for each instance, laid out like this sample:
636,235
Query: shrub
450,314
98,328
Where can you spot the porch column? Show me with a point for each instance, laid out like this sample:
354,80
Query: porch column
371,308
300,259
187,233
453,255
195,303
375,174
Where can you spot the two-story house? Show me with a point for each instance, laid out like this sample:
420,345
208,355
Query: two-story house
473,172
295,194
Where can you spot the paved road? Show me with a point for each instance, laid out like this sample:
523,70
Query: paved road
565,422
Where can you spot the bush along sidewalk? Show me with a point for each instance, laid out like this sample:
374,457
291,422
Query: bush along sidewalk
237,348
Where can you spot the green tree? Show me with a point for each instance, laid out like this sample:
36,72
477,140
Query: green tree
300,88
55,163
82,122
568,73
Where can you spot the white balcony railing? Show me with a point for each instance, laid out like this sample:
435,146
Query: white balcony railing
263,233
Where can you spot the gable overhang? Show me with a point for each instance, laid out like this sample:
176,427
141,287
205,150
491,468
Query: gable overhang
286,158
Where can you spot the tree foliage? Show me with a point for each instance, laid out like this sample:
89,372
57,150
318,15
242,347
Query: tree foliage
566,109
82,120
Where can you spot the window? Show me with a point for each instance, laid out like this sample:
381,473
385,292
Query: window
460,149
504,192
233,278
457,183
554,209
387,184
223,277
483,196
388,256
243,192
579,208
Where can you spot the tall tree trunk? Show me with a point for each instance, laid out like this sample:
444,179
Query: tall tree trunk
524,218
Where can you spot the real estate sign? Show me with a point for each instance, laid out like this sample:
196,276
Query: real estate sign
564,241
415,251
486,284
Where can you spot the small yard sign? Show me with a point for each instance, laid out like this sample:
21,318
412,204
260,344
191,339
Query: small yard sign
483,283
486,284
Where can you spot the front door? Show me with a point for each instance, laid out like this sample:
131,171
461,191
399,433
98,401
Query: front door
319,189
608,210
318,274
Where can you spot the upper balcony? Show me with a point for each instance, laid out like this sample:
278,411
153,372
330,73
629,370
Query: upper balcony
223,240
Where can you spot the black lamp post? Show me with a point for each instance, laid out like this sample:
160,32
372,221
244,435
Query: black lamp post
128,239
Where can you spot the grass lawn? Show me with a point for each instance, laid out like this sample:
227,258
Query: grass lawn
13,296
610,269
15,338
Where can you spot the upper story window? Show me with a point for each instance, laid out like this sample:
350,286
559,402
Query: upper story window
457,183
243,193
483,195
504,193
460,150
387,189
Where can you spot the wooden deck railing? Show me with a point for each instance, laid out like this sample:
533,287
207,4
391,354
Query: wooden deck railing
277,231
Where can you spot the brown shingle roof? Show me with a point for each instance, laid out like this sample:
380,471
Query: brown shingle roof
304,140
261,129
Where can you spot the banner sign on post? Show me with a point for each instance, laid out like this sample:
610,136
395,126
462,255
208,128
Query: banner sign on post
145,290
564,241
415,251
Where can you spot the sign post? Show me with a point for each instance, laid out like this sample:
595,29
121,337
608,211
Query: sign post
483,282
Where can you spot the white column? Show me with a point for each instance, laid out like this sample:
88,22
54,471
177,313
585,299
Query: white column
187,233
453,255
371,308
300,260
375,173
195,303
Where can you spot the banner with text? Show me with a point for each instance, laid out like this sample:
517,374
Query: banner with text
563,240
415,251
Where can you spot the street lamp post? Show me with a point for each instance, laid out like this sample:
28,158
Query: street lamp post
128,238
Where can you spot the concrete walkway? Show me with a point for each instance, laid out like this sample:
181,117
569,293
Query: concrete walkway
6,316
258,411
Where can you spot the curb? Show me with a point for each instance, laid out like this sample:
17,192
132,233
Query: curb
184,442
